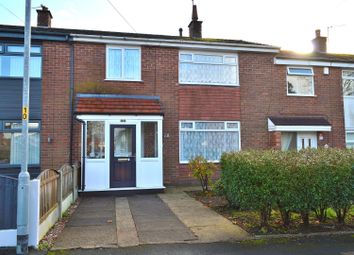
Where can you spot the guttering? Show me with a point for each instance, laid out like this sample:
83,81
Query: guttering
43,37
278,61
174,43
83,153
71,101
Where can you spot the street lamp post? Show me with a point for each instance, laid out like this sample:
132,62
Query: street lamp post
24,178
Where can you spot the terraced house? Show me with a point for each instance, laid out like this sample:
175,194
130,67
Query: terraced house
134,108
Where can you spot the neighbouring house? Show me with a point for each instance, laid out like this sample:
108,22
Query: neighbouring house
134,108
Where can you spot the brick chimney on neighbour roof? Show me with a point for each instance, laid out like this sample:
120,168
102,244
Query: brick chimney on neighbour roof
44,17
195,26
319,43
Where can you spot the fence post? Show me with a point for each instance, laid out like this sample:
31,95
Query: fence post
74,172
60,192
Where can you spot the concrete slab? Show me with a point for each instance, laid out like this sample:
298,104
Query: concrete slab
155,222
93,225
126,232
86,237
208,225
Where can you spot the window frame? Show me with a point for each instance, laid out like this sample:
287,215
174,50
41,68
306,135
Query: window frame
123,48
193,129
347,78
346,138
85,152
6,52
288,73
19,130
156,141
224,55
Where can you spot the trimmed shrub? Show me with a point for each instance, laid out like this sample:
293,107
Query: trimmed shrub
202,170
305,181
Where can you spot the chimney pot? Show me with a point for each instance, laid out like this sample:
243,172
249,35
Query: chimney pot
195,26
318,33
44,17
319,43
180,32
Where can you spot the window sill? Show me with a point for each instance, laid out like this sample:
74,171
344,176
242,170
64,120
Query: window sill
122,80
8,166
209,84
18,78
187,162
295,95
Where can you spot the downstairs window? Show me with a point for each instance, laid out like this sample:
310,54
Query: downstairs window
208,139
11,143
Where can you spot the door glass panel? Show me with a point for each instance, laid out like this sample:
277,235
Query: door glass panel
123,142
149,140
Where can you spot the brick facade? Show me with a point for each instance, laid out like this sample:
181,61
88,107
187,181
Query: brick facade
56,116
262,93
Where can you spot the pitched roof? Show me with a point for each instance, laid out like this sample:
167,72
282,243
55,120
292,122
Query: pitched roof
117,104
67,31
332,57
299,121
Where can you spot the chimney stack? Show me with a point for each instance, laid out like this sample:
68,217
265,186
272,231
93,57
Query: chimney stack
195,26
319,43
44,17
180,32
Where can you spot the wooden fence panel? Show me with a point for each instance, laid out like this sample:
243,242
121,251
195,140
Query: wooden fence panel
49,180
67,180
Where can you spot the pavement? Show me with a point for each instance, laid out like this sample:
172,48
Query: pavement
169,218
317,245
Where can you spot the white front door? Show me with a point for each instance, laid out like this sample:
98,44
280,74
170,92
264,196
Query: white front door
306,140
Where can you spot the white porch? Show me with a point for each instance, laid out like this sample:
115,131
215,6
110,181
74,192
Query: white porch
98,156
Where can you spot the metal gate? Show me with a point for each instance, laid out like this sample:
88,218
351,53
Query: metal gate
8,202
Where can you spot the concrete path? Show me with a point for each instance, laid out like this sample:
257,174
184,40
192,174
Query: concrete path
156,223
92,225
208,225
172,217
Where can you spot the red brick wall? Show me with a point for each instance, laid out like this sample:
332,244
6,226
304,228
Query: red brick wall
263,94
209,103
55,105
159,77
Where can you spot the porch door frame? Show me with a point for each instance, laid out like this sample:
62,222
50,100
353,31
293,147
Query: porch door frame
306,140
131,159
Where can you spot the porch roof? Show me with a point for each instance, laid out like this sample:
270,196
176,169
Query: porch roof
291,123
117,104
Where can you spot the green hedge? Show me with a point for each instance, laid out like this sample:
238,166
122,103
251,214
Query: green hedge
305,181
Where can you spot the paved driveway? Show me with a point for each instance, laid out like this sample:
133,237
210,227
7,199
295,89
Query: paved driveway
172,217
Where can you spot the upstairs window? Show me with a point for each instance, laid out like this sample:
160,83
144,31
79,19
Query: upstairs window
123,63
348,83
12,61
300,81
208,69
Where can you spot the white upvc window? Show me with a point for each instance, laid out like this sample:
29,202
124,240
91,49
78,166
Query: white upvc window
300,81
123,63
208,139
349,139
348,83
95,140
206,68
